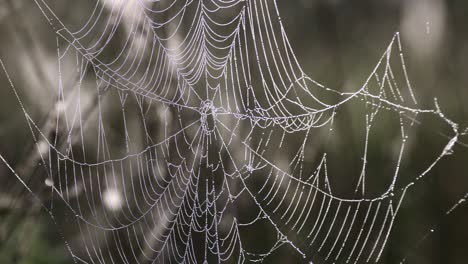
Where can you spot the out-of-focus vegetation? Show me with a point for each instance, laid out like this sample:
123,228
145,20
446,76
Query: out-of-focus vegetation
338,43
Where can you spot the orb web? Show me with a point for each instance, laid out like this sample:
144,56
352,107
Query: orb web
183,127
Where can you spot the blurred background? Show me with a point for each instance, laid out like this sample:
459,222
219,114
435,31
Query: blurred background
338,43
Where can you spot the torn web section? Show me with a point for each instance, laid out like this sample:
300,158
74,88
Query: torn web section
349,214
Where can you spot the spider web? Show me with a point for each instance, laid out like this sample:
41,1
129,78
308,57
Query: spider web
220,135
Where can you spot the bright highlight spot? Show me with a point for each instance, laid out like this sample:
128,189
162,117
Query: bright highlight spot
112,199
48,182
